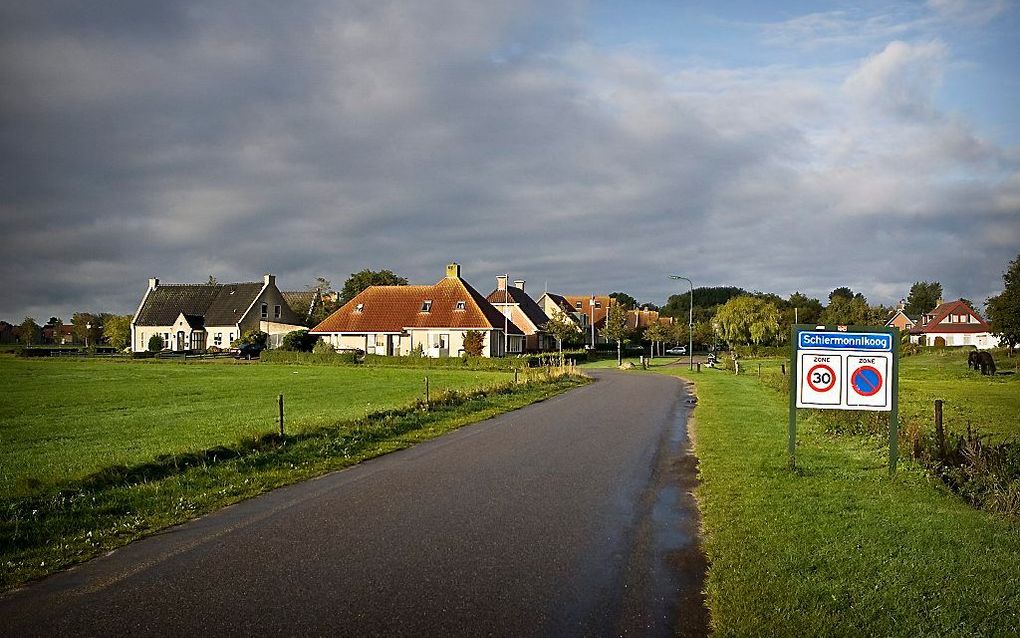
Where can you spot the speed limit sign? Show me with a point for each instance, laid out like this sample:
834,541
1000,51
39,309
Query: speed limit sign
820,382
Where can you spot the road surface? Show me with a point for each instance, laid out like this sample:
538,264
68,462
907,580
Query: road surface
570,517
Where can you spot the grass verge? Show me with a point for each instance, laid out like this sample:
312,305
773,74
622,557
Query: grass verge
837,548
43,534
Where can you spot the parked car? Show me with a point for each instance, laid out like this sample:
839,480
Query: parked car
248,351
677,350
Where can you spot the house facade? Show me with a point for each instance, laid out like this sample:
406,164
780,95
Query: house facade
953,323
401,320
899,318
523,312
189,317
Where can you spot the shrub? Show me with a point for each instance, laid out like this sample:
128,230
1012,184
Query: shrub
299,341
323,347
155,343
474,341
255,338
909,349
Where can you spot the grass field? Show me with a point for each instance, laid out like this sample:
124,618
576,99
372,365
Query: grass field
990,404
838,548
63,419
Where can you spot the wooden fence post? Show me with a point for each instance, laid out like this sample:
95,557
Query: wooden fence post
281,416
940,433
426,393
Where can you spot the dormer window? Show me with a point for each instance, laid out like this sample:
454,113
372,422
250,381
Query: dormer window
578,305
461,305
359,308
426,306
598,304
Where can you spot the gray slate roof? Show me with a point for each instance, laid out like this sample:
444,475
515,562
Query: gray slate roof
219,304
300,301
528,306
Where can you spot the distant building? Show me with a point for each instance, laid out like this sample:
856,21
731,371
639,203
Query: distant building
192,317
899,318
524,312
953,323
400,320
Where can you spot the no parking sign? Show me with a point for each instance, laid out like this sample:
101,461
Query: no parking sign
845,368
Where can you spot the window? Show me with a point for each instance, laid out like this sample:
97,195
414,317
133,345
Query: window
426,306
460,305
265,310
578,305
231,337
276,312
598,304
218,339
359,307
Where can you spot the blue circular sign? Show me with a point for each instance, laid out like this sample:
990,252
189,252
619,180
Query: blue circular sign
866,381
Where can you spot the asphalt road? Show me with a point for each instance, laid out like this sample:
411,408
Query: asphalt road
570,517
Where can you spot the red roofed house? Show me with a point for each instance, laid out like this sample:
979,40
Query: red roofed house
396,320
953,323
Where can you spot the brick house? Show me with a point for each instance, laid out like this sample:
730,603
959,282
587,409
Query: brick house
953,323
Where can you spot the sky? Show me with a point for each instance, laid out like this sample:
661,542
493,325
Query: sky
584,146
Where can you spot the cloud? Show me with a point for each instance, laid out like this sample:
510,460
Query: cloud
902,79
191,139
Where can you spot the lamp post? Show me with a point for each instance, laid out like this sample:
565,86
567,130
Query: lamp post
88,328
690,323
506,315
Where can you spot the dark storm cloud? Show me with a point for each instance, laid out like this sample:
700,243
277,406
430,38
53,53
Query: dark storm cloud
186,139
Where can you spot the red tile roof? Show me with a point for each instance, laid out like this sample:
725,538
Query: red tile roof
957,307
394,308
604,301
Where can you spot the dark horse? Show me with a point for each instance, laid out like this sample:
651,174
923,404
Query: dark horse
981,361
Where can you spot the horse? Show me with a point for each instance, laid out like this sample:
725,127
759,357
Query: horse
972,360
985,361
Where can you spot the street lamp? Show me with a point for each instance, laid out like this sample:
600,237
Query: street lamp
690,323
88,328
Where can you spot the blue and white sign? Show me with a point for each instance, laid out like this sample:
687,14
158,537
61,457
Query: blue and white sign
870,342
844,370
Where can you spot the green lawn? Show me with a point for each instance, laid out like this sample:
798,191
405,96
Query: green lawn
63,419
990,404
837,548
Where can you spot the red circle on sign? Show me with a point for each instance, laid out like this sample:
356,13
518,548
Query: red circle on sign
825,376
866,381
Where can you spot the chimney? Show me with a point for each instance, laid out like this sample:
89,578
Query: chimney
269,280
940,302
453,271
901,306
519,283
153,282
501,282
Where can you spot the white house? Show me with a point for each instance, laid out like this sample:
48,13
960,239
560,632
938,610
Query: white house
953,323
190,317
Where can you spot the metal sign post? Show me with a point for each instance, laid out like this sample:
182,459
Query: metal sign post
845,368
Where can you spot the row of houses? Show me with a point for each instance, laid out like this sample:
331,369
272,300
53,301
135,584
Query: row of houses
431,320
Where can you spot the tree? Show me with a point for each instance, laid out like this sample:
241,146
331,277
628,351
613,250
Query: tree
804,309
846,311
563,329
255,338
117,330
1004,308
321,285
923,297
212,281
747,320
29,332
656,333
616,328
474,341
298,341
843,292
155,343
706,300
87,327
626,300
360,280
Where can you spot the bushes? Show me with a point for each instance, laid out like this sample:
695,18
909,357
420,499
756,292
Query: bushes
333,358
299,341
155,343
